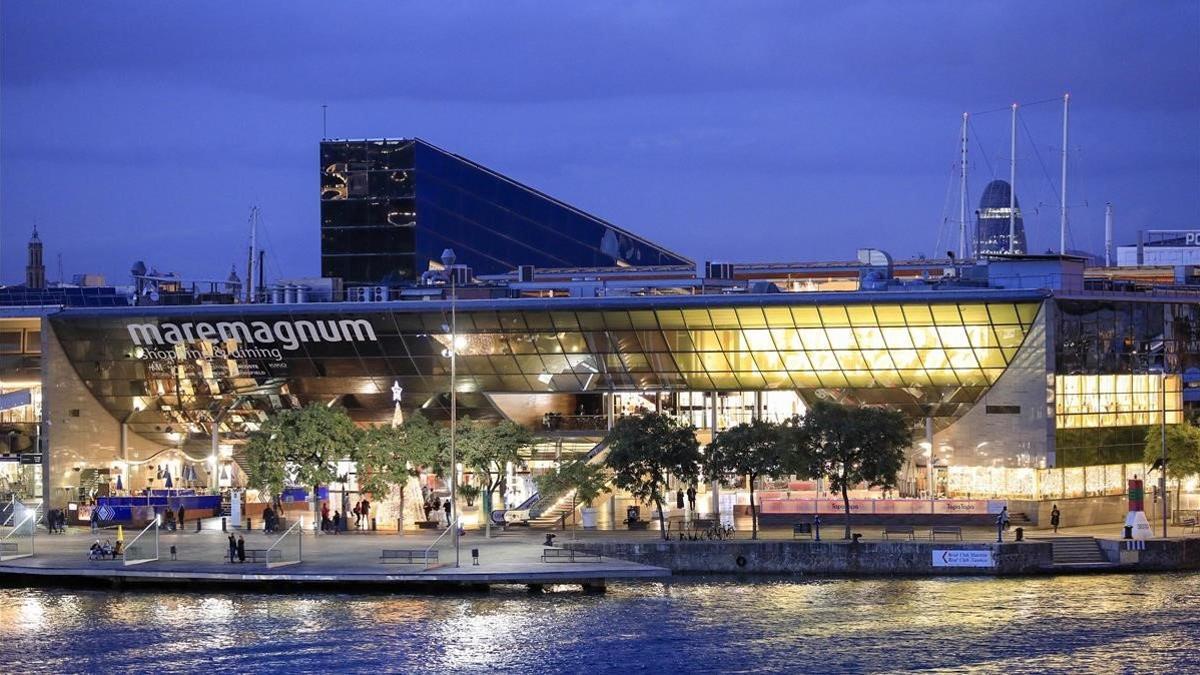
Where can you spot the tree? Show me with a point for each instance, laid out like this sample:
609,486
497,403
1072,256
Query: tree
487,450
849,446
1183,452
390,456
645,449
750,450
301,447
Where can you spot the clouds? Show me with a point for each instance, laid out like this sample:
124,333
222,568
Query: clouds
797,118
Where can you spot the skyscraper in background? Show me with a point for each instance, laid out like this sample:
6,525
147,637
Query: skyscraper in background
991,221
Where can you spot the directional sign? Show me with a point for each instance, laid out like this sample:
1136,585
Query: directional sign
31,459
963,558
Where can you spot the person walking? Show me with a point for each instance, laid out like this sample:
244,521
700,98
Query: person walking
232,548
446,508
1055,517
95,519
679,499
324,516
691,497
358,515
181,516
241,549
337,522
366,514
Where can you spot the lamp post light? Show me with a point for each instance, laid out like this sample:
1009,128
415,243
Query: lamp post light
448,259
1162,388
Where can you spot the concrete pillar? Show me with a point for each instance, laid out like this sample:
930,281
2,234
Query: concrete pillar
715,488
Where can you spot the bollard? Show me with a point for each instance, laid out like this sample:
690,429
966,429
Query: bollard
474,556
817,528
1020,534
372,523
197,524
249,526
223,525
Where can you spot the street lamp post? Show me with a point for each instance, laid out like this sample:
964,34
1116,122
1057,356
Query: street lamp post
448,259
1162,387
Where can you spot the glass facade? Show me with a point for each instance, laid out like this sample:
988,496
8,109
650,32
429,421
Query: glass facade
389,208
237,366
1110,359
992,221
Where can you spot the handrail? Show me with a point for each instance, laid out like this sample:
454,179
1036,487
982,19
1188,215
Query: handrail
12,512
125,549
457,523
299,545
18,526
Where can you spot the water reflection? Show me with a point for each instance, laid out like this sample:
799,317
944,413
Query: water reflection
1102,623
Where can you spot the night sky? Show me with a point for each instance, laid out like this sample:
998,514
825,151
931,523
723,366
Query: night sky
724,130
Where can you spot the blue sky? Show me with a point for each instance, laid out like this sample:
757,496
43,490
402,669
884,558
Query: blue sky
728,131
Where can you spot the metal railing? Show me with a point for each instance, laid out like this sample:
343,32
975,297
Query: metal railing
283,546
457,524
135,548
19,543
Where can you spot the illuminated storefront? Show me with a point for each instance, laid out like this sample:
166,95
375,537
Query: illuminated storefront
1009,405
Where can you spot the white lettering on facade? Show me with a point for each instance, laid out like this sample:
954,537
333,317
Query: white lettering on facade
288,334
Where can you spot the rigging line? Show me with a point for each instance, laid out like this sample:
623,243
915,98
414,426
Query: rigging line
1008,108
1037,154
943,235
271,252
982,152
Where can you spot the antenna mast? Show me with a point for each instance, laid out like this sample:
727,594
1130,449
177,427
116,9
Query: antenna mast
1012,187
1062,234
250,258
962,194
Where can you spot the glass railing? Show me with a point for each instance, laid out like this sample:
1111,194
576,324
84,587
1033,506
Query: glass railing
433,547
287,549
19,541
144,547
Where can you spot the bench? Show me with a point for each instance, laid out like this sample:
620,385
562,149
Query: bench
637,524
802,530
1186,522
567,555
899,529
8,547
945,529
428,525
263,555
404,556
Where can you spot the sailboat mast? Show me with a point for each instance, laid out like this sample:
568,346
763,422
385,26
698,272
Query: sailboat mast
1062,227
1012,186
962,194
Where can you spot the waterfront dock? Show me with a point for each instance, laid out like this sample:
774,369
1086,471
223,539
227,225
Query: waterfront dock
344,562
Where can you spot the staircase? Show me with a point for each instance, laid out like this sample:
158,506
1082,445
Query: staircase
547,512
1019,519
1077,551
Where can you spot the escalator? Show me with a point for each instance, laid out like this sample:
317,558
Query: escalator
537,511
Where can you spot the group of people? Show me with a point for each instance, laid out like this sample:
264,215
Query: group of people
56,521
171,516
270,520
107,549
339,522
237,549
691,498
438,509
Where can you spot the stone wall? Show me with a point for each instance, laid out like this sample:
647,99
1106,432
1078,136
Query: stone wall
1159,555
1075,512
823,557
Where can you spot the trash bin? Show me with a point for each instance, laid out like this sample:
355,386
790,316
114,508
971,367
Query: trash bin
1020,534
1129,532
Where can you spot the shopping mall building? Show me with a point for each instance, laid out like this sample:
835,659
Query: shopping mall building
1028,380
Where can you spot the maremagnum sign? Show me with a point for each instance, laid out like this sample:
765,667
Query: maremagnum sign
248,338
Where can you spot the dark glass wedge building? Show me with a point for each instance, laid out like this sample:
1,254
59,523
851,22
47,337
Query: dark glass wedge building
991,222
389,207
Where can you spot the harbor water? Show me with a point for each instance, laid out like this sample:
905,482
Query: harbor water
1110,623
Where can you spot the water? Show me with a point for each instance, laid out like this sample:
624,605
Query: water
1107,623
